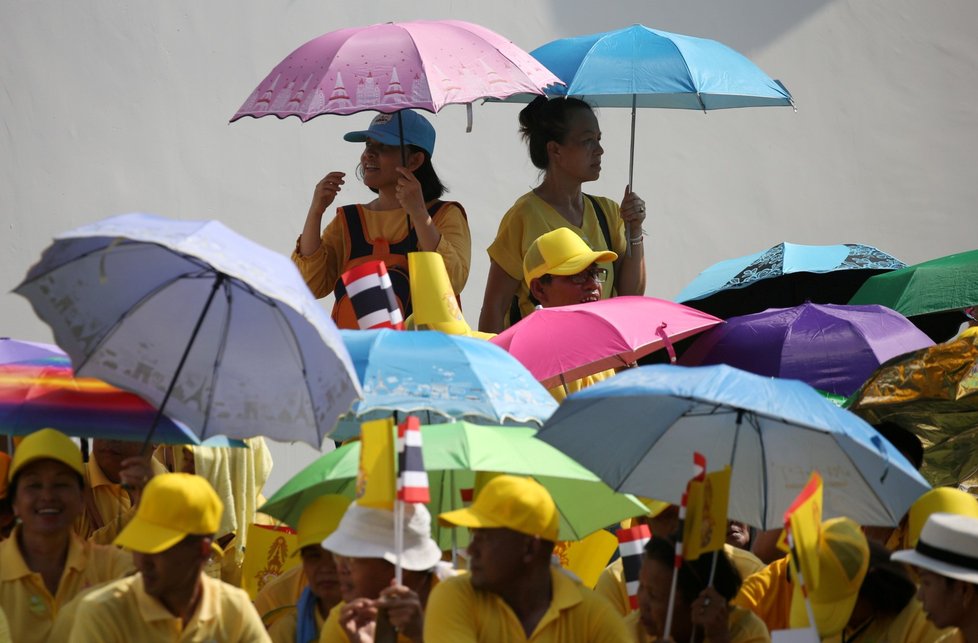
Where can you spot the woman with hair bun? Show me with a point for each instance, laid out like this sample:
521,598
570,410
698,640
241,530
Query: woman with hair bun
564,141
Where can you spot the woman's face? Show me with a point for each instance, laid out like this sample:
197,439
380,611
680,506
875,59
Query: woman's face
379,163
655,579
48,497
579,155
942,598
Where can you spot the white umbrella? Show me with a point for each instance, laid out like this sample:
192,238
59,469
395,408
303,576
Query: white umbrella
216,330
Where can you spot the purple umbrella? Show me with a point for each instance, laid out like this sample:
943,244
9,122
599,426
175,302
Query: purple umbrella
831,347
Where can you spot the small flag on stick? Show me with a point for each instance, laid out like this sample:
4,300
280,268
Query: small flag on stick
372,296
705,527
412,479
631,547
375,479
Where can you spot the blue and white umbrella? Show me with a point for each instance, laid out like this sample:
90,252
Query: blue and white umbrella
638,430
441,378
217,331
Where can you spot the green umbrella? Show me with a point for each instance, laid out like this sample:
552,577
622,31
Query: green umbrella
452,454
931,294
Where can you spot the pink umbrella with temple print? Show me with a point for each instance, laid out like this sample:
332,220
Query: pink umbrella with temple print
422,64
565,343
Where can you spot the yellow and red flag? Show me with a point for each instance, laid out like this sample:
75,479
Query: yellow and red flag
803,522
588,557
705,527
268,554
375,480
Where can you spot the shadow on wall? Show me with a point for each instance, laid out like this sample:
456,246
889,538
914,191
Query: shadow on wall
745,25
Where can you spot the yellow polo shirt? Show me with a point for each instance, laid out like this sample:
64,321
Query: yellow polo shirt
280,596
283,630
744,627
560,394
768,594
123,612
909,626
28,604
457,613
611,583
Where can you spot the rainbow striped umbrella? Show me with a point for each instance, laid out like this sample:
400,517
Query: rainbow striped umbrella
38,389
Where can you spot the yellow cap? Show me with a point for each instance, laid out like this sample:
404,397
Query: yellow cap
47,444
510,502
560,252
320,519
940,500
173,506
843,558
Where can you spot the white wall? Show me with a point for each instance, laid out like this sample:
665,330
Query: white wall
109,107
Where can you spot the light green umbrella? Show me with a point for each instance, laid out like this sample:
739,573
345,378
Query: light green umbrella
452,454
931,294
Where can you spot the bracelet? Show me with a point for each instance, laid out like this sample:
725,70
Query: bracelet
637,241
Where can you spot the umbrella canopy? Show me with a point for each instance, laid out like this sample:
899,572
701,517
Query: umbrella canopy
450,377
833,348
569,342
452,454
783,276
932,392
931,294
422,64
192,317
42,392
639,429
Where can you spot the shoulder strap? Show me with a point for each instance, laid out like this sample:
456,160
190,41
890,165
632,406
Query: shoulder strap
602,221
359,245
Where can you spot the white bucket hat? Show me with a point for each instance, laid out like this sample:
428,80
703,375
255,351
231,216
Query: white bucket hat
948,546
369,533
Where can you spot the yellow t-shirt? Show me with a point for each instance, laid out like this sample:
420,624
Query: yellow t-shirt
531,217
280,596
332,632
560,394
767,593
457,613
4,629
123,612
284,628
909,626
28,604
611,583
744,626
322,268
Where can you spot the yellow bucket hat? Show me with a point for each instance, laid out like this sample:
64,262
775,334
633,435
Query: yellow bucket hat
319,520
46,444
510,502
843,559
560,252
173,506
940,500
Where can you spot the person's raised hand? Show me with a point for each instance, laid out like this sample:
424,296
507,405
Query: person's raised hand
358,619
632,213
404,610
710,611
409,194
325,192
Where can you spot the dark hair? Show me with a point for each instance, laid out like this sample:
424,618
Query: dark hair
431,186
545,120
546,279
694,574
12,488
905,442
887,585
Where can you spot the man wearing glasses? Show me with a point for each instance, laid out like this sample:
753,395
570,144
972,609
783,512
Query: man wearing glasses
560,269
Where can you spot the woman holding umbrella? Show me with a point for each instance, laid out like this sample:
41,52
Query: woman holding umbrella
406,216
564,141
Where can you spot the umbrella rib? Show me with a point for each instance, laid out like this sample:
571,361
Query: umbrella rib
760,437
217,362
302,362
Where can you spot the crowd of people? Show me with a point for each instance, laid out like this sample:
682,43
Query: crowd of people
121,545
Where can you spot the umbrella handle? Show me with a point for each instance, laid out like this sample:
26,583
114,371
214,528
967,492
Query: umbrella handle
631,161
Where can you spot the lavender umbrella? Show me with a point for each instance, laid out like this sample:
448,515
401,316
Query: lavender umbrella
831,347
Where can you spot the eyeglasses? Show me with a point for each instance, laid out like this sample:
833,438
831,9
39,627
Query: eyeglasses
599,275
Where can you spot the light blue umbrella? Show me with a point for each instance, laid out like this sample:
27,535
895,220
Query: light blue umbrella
638,430
642,67
785,275
441,378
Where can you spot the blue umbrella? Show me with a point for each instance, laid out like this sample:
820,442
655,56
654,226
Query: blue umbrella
638,430
440,377
642,67
785,275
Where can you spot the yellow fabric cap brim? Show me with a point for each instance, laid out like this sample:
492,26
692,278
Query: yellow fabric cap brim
572,266
146,538
468,518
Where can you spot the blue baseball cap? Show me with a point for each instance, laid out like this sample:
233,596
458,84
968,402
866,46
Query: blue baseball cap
384,129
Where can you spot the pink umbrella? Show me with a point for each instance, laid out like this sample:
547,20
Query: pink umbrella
569,342
423,64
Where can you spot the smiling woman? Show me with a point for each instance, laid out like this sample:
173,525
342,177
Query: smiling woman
43,564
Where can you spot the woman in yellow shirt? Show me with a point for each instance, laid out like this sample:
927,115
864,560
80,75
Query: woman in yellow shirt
564,140
406,216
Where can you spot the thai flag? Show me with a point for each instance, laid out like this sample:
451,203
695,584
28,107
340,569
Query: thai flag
412,479
631,546
370,291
